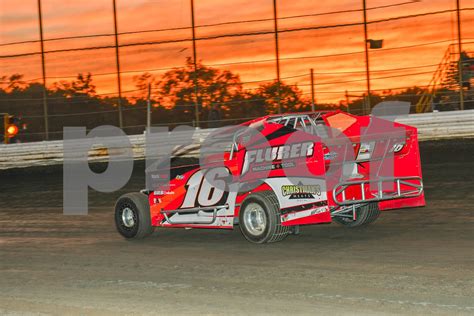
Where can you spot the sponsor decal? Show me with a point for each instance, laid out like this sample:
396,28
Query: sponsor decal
300,191
330,156
159,176
163,192
275,166
319,210
304,207
271,154
365,150
179,177
397,147
301,214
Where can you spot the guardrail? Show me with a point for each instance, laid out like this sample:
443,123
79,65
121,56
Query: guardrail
431,126
439,125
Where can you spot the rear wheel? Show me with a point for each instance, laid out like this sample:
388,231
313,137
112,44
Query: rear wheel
259,218
132,216
365,215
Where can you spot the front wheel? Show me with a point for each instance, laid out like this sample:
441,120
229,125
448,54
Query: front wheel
259,218
365,215
132,216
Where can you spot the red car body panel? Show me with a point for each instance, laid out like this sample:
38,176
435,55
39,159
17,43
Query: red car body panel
294,164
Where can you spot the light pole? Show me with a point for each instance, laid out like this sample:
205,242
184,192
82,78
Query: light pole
461,94
43,71
277,54
195,77
373,44
117,63
367,68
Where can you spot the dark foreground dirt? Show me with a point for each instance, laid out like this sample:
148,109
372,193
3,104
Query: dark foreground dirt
414,261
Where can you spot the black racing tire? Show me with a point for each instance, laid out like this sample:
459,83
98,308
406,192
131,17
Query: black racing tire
272,231
136,222
365,215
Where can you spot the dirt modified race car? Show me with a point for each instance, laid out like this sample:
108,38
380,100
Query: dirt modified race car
275,173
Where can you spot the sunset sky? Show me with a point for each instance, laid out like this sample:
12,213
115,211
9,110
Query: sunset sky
18,22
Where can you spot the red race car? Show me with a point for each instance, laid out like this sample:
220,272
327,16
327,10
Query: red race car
275,173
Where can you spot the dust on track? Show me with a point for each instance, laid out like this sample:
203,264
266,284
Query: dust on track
413,261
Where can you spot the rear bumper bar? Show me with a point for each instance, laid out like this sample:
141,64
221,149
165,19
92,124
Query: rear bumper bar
413,187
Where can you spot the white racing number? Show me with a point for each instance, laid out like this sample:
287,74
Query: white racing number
206,187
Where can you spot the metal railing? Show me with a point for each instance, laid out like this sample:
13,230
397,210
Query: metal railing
436,125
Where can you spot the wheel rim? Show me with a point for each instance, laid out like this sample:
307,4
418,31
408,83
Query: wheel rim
128,217
255,219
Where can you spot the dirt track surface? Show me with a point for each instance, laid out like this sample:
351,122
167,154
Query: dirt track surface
413,261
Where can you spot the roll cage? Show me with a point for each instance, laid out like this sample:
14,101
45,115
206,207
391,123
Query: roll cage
311,122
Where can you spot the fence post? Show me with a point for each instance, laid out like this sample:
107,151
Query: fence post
148,108
347,102
461,92
313,107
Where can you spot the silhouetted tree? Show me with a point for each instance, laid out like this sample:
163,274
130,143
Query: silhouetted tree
290,97
176,89
82,85
12,82
75,102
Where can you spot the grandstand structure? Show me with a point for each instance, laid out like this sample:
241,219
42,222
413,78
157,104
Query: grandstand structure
443,92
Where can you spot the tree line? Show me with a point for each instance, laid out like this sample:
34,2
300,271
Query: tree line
173,97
